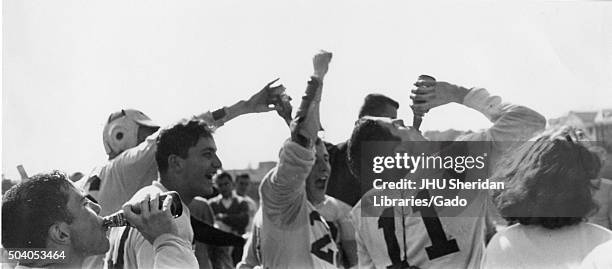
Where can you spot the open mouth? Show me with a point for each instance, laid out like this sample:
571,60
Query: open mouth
321,182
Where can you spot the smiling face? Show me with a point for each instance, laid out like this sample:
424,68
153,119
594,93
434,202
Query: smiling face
200,166
87,234
316,182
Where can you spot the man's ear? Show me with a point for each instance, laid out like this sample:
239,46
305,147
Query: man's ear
59,233
175,162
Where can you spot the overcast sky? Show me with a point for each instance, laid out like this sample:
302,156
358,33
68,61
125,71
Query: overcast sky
68,64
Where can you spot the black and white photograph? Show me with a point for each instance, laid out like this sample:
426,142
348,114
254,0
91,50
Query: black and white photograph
306,134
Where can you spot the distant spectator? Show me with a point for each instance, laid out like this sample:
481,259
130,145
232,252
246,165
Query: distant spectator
603,194
201,210
231,215
243,183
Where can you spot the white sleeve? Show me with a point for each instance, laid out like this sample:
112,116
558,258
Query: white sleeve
132,162
249,255
124,175
172,251
510,122
282,190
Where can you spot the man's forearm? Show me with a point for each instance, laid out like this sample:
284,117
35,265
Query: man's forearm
222,115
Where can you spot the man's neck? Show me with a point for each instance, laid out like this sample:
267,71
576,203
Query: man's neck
170,183
72,260
315,199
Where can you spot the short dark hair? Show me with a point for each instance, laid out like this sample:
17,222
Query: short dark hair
548,183
374,103
243,175
178,138
224,174
365,130
30,208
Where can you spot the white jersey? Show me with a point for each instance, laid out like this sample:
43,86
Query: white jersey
338,217
599,258
532,246
129,249
404,238
289,232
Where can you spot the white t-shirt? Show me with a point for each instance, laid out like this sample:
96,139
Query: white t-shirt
599,258
531,246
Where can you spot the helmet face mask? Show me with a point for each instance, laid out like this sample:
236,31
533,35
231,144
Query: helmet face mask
121,131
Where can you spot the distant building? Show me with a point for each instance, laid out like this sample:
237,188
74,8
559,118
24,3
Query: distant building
597,124
6,184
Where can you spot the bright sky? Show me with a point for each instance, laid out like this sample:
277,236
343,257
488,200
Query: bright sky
68,64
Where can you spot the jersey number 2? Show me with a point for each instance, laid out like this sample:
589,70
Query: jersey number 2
316,248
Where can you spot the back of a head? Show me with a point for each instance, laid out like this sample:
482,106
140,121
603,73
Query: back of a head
121,131
244,176
377,105
30,208
548,182
365,129
178,138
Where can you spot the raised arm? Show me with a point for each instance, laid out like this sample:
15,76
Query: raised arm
510,122
282,190
262,101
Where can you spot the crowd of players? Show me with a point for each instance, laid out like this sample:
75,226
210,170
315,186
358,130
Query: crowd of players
309,211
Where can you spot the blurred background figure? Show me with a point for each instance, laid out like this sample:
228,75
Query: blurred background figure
603,193
231,214
243,184
201,210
